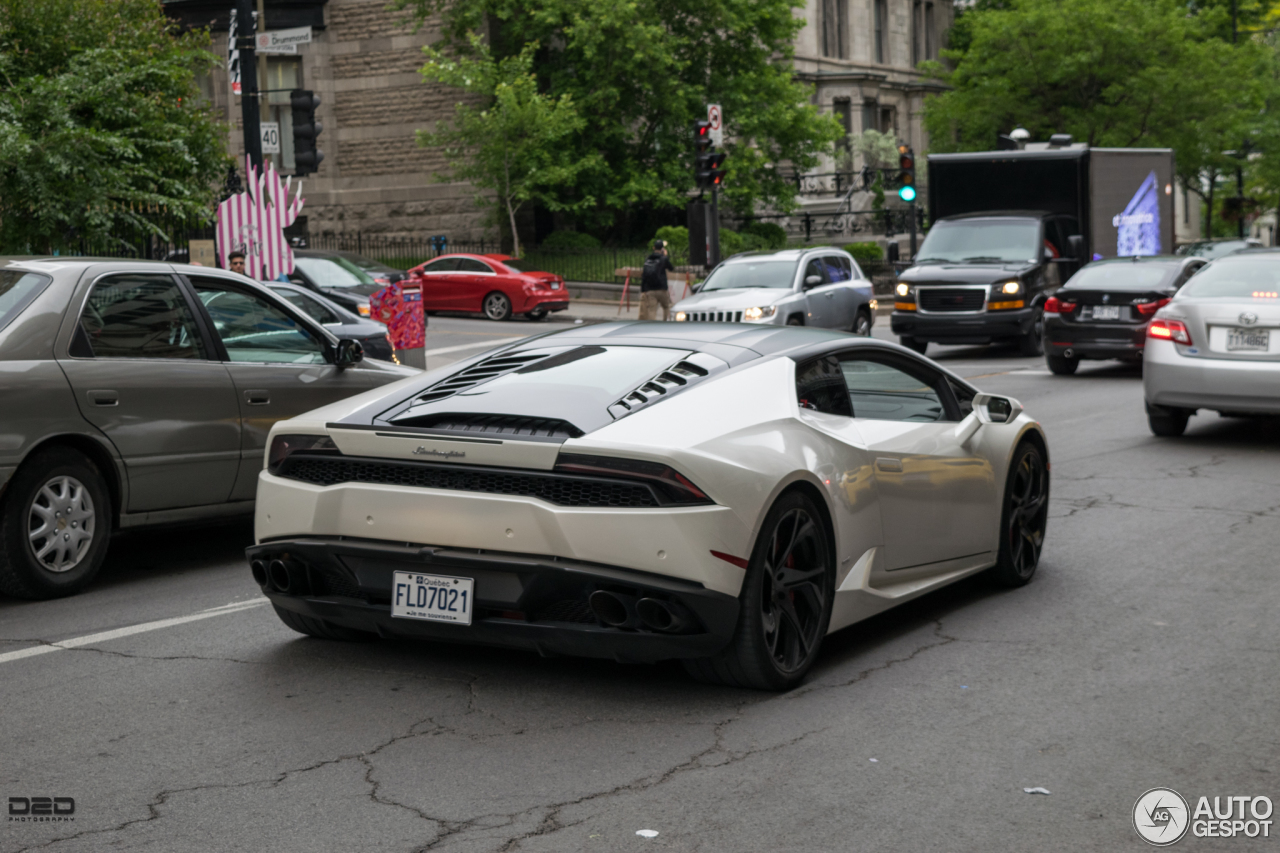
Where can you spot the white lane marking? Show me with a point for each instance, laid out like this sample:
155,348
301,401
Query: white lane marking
460,347
105,636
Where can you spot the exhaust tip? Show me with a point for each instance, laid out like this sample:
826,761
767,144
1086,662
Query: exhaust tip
278,573
1068,352
617,611
259,569
668,617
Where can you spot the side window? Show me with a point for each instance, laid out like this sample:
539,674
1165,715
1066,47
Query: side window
892,392
309,306
252,329
1185,275
837,268
814,267
140,316
820,387
964,396
472,265
441,265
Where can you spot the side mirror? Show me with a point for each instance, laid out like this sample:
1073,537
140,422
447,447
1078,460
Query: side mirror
1076,243
812,280
348,353
993,409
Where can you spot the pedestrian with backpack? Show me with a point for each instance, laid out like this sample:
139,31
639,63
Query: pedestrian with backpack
653,283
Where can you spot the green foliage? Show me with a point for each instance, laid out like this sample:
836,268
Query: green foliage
731,243
565,239
514,143
100,122
769,235
643,71
865,251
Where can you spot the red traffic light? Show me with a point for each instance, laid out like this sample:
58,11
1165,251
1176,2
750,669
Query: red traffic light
701,135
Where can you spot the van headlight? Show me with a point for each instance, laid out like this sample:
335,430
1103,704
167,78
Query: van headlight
903,290
1010,287
681,316
764,313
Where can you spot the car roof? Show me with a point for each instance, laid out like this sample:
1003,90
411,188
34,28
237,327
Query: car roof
1000,214
782,254
1253,250
1147,259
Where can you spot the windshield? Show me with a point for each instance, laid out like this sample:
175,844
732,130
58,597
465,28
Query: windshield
1247,277
367,264
762,273
17,289
1124,276
981,240
1217,249
333,272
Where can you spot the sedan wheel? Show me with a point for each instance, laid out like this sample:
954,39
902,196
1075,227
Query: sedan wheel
497,306
54,526
862,325
785,604
1025,517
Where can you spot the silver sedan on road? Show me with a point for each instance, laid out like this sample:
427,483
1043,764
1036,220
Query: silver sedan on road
1217,344
794,287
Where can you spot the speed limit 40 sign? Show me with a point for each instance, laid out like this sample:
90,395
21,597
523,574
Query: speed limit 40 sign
271,137
716,118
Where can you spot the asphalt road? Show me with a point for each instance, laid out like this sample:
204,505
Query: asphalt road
1143,654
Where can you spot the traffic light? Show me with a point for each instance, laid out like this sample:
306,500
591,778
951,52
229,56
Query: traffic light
701,136
306,155
708,166
907,173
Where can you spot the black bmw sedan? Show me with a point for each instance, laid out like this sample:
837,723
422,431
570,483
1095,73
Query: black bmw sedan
1103,311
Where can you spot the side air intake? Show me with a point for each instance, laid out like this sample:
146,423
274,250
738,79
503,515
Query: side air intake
672,379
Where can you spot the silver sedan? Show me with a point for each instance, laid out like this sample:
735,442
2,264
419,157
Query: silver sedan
1216,345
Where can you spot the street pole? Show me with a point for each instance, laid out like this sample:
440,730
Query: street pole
264,110
1240,195
250,115
912,214
713,229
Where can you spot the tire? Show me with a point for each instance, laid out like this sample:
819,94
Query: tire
1167,422
1032,343
319,628
1023,517
497,306
1061,365
540,314
795,320
862,324
775,644
36,564
913,343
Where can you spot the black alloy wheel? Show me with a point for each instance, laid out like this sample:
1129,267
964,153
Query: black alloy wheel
1025,516
913,343
1060,365
1032,343
785,603
1167,422
862,324
55,521
497,306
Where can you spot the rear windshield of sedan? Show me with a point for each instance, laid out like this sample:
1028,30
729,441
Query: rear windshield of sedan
1123,276
1237,278
333,272
771,273
17,289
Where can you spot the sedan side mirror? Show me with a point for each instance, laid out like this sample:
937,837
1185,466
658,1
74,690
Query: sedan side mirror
348,353
993,409
812,280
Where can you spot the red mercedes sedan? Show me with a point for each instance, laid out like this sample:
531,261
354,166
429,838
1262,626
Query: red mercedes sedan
494,285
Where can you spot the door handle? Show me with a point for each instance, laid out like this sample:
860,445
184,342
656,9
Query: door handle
884,463
104,398
257,397
831,294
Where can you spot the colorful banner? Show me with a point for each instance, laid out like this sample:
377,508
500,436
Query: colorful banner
253,222
399,307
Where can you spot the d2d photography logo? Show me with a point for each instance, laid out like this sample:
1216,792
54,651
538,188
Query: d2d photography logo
41,809
1162,817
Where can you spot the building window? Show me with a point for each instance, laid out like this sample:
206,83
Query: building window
930,37
843,108
917,13
870,114
283,75
835,25
889,121
882,31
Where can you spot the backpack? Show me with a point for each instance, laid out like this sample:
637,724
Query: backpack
651,277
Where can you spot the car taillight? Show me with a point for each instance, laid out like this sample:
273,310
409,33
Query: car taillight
1146,309
283,446
1054,305
672,486
1170,330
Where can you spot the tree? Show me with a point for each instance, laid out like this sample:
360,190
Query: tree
100,122
1122,73
513,142
641,72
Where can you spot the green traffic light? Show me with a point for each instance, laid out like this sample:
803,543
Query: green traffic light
907,193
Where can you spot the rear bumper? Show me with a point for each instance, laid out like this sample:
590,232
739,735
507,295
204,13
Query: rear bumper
558,302
1224,385
944,328
522,601
1094,340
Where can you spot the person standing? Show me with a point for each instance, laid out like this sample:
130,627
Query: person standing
653,283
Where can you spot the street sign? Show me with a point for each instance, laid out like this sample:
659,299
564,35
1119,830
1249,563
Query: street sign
716,117
282,41
233,53
271,137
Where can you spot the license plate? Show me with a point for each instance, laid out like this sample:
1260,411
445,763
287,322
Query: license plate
1106,312
1248,340
435,598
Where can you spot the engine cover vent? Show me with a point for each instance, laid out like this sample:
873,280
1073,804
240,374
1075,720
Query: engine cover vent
679,375
495,426
490,368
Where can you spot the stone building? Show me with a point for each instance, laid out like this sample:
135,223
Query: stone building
363,62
